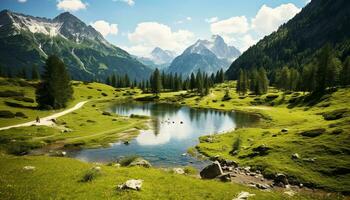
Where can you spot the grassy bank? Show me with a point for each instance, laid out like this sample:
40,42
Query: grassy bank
89,126
60,178
323,159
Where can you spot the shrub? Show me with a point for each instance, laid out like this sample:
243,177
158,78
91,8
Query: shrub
190,170
336,114
13,104
6,114
90,175
10,93
20,114
139,116
313,132
271,96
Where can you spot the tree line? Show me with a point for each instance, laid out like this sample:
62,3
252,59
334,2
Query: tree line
198,82
325,71
33,74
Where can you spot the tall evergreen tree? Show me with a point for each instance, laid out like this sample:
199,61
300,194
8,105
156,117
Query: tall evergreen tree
156,82
199,83
113,80
35,73
55,89
345,72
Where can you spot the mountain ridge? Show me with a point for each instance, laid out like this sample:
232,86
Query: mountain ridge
84,50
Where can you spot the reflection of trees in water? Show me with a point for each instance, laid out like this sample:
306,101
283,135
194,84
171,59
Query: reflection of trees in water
156,126
244,119
162,110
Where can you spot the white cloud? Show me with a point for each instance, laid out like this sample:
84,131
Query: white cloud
129,2
71,5
105,28
242,34
149,35
269,19
22,1
188,18
212,20
232,25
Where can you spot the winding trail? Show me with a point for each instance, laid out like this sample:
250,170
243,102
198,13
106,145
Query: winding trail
47,121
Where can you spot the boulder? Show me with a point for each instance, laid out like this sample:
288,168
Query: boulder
178,171
262,186
211,171
243,196
131,184
226,177
280,180
140,162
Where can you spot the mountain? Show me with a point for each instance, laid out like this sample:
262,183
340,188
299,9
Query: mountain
207,55
159,58
26,41
296,43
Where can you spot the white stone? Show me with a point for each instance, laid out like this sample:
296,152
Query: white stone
29,168
178,171
131,184
243,196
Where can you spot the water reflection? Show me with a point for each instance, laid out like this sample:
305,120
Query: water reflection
174,130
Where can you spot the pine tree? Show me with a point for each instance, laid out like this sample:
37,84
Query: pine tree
113,80
239,82
221,76
193,82
35,73
345,72
156,82
199,83
55,89
309,78
263,82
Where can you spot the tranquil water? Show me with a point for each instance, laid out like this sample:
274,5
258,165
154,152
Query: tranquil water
175,129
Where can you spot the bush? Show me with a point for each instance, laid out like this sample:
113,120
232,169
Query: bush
336,114
272,96
90,175
24,99
313,132
20,114
190,170
6,114
10,93
139,116
13,104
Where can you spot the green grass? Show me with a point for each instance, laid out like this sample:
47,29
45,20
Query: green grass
90,128
331,168
60,178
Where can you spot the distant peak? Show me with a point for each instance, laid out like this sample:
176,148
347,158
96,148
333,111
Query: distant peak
66,16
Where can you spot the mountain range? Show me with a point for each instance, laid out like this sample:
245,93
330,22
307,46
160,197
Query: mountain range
26,41
297,42
207,55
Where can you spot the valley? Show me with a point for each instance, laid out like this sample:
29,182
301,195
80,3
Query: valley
157,100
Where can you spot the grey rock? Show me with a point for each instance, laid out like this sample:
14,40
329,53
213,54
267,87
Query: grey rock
131,184
140,162
211,171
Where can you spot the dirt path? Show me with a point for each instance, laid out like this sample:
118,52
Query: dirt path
47,121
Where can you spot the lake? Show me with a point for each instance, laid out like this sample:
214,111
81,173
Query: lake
173,130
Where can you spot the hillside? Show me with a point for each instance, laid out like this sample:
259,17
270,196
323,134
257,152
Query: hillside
26,41
296,42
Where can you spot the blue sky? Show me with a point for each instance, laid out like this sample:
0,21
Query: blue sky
140,25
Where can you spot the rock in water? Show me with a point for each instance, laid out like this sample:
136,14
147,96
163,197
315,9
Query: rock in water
212,171
131,184
140,162
243,196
